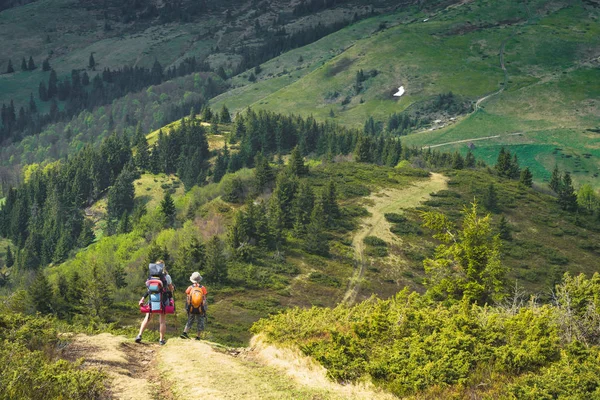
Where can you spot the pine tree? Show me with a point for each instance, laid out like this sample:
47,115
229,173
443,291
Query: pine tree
331,209
85,79
167,209
46,65
316,241
86,236
221,71
237,231
526,177
220,168
215,269
225,116
206,114
155,253
470,160
263,173
190,258
75,289
139,210
92,62
96,297
284,192
276,222
23,64
457,161
32,105
467,264
10,69
233,190
296,164
491,198
556,180
63,247
40,295
124,223
121,195
504,229
43,92
141,157
10,260
362,152
31,65
358,82
514,171
586,198
567,198
503,164
302,207
52,84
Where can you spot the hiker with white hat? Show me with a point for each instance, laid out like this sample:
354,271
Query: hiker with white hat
195,306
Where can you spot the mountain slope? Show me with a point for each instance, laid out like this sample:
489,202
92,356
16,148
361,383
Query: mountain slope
549,51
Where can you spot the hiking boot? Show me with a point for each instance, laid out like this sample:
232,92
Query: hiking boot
138,339
198,338
184,335
162,342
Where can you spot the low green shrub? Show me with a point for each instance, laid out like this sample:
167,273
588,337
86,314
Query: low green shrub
376,251
374,241
29,370
394,218
409,344
324,279
406,228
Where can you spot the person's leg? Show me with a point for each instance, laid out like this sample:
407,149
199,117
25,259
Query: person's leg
147,318
163,325
189,323
145,323
200,325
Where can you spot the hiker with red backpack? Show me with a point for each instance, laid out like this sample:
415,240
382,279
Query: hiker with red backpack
195,306
160,292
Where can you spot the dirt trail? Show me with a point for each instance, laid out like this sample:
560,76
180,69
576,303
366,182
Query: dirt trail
474,139
386,201
194,369
131,367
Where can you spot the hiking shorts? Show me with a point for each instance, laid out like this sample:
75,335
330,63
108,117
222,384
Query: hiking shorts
199,321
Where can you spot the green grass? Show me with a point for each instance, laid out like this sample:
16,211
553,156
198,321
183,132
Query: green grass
546,241
150,189
551,95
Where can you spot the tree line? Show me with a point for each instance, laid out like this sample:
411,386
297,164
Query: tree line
80,92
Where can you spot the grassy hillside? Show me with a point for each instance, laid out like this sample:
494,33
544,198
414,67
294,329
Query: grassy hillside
549,50
545,243
68,31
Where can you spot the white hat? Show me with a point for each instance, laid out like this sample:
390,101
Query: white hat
196,278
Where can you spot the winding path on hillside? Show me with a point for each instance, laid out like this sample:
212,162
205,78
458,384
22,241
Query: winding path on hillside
500,90
473,140
386,201
505,72
185,369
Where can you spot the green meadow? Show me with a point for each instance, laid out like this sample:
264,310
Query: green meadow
551,93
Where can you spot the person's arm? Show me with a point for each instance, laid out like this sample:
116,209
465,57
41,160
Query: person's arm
187,296
170,286
205,300
141,302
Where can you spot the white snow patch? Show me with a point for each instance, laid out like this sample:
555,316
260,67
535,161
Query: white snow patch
426,19
400,91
